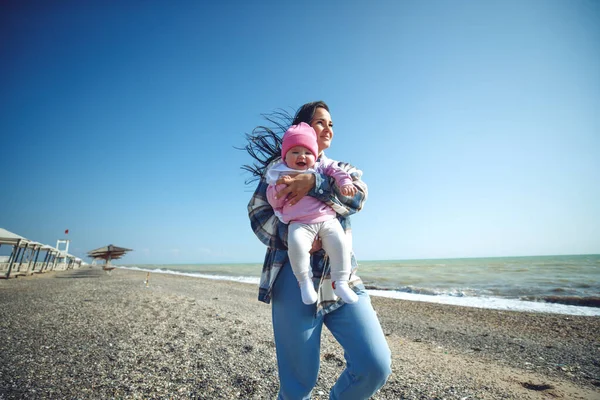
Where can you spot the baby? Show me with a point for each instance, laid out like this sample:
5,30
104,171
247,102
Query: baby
310,217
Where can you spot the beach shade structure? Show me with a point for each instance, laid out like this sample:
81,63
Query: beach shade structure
18,243
51,254
108,253
7,237
34,253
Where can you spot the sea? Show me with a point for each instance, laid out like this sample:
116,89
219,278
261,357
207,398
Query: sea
566,284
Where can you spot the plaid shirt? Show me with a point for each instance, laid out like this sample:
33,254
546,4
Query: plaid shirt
273,233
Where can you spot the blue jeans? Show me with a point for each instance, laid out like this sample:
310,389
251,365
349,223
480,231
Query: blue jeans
298,344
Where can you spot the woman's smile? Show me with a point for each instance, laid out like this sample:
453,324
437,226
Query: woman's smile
323,126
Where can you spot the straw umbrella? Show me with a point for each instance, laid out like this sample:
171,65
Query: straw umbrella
108,253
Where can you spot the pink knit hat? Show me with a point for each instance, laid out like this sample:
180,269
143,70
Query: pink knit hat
300,135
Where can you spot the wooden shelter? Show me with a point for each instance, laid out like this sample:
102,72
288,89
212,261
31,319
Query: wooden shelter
18,243
50,258
24,258
108,253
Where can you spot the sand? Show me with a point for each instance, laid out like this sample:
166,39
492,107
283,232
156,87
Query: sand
85,334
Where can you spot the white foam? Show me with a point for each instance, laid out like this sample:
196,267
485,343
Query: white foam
241,279
493,303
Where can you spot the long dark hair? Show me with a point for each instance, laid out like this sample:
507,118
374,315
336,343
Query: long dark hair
264,142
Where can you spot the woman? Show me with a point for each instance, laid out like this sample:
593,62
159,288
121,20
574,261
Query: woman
296,326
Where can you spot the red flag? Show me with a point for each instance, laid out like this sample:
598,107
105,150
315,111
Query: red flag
66,232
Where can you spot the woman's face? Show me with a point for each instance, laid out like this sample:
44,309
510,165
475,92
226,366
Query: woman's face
322,124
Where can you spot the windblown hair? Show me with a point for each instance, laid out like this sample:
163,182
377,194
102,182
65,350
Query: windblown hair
264,142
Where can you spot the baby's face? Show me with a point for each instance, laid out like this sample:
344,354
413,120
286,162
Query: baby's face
300,158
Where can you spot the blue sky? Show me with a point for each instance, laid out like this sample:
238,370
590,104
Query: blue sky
476,124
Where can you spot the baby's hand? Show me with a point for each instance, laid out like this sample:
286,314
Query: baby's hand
348,190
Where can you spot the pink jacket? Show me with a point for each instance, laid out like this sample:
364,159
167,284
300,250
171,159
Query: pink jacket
308,210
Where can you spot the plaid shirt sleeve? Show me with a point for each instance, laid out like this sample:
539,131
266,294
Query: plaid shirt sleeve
265,224
329,193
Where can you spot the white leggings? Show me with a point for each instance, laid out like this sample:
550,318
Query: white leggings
300,239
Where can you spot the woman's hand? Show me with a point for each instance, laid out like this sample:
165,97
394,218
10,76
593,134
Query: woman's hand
297,187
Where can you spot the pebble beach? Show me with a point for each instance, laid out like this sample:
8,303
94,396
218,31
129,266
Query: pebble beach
86,334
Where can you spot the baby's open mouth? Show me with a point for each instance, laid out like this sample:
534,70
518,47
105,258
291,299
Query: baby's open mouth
301,164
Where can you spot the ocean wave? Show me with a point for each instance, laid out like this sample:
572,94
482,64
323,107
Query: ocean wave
234,278
568,300
569,305
430,291
494,303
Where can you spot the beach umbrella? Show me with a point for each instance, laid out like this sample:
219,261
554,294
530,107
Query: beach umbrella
108,253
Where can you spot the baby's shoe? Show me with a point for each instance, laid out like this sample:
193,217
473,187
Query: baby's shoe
341,289
307,290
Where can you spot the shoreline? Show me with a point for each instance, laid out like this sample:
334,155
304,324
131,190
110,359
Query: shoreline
492,303
86,334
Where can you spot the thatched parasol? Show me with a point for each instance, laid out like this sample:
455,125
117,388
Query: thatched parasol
108,253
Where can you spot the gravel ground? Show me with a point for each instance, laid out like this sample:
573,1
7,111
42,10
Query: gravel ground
84,334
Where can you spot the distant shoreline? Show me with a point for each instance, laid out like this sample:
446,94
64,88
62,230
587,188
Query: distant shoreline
478,302
375,260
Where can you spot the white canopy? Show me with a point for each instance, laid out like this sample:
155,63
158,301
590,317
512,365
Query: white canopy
50,249
7,237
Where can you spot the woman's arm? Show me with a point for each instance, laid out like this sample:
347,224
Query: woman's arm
273,233
264,222
296,187
347,205
323,187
